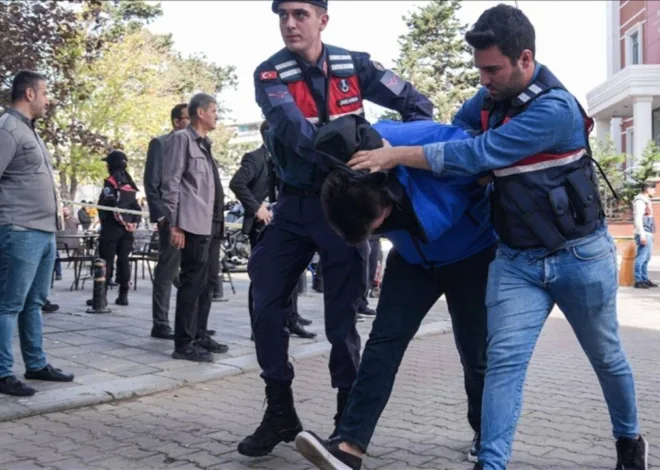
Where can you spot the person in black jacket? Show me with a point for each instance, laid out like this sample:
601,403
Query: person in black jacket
84,218
116,237
252,183
169,257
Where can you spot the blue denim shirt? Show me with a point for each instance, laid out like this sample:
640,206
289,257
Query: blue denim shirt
552,123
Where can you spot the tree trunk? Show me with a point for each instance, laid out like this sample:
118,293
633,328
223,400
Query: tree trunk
73,188
64,186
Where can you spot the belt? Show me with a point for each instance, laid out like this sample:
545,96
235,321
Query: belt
295,191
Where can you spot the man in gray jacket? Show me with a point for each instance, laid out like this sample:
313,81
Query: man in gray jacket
28,222
168,256
190,186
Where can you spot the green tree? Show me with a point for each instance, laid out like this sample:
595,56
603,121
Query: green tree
229,155
647,169
97,104
611,162
436,59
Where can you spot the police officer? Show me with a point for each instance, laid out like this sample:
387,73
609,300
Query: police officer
116,237
252,183
300,88
555,248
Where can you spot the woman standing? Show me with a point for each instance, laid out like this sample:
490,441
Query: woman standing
116,237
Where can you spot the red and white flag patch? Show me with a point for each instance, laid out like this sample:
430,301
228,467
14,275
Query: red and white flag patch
269,75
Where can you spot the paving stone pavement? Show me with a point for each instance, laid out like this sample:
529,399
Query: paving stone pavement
564,422
113,356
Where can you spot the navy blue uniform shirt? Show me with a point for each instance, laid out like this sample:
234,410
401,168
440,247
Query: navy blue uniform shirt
298,163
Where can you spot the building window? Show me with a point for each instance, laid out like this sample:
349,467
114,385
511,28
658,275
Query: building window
656,126
634,55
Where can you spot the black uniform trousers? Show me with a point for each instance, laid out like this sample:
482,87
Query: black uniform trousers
193,282
119,246
409,291
285,248
253,237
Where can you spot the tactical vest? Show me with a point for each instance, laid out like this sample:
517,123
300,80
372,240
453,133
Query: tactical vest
548,198
126,194
648,221
343,94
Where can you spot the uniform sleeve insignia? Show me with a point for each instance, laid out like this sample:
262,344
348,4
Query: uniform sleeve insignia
393,82
268,75
278,95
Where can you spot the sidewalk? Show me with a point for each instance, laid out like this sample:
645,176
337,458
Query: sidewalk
113,356
564,423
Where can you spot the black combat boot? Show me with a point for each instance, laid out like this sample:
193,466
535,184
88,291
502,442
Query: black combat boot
123,296
279,424
342,400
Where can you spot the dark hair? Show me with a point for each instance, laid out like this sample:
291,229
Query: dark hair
351,205
506,27
647,185
263,129
24,80
176,111
199,101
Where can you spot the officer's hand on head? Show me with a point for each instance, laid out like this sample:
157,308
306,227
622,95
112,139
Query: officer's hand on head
177,237
374,160
264,215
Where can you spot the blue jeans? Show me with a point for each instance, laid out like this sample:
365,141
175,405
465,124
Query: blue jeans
643,257
523,287
26,266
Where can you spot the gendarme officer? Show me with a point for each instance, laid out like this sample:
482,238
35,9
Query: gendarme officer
300,88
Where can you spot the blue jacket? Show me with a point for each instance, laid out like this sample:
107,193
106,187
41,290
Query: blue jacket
297,161
453,212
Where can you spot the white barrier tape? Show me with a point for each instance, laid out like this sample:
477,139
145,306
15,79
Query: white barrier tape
129,211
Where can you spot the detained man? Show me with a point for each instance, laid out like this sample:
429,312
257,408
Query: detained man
442,245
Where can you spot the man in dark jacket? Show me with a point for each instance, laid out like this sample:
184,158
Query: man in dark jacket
251,184
168,256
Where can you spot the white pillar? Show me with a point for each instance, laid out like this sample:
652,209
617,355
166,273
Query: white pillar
603,129
616,135
643,124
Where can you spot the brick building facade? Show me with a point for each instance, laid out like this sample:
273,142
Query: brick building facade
627,105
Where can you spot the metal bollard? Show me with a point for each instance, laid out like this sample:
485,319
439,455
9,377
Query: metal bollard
99,295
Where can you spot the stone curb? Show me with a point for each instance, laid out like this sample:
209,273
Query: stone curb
122,389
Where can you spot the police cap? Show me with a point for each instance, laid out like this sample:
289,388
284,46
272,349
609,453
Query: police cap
318,3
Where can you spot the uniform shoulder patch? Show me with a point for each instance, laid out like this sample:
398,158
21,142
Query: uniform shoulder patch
393,82
278,95
378,65
268,75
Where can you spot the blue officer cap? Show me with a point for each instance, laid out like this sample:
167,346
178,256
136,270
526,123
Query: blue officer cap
318,3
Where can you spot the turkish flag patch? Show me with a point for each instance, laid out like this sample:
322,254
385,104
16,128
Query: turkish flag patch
270,75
